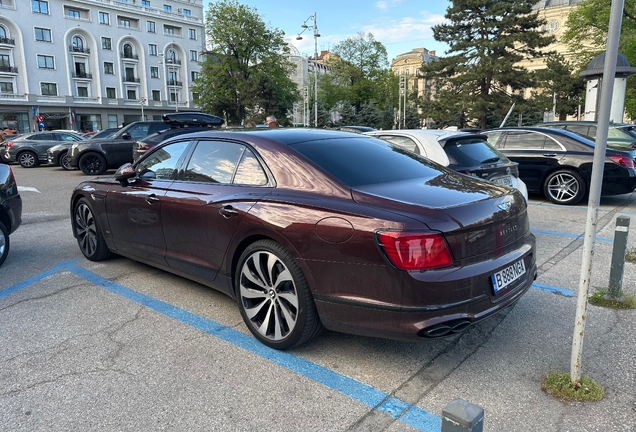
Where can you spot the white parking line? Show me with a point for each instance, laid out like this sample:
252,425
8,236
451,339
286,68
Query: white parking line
28,189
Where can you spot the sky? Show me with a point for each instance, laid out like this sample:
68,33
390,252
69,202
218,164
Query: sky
400,25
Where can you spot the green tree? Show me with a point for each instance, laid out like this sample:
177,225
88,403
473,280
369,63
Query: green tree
369,115
586,36
558,78
246,72
347,113
486,38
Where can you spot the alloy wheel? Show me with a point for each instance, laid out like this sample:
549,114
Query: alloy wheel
563,187
86,229
65,161
269,295
27,160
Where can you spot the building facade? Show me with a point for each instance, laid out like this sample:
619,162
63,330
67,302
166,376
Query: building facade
95,64
408,65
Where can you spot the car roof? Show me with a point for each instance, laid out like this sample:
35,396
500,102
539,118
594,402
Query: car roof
581,122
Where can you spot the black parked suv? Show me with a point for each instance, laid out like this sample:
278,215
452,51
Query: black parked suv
10,209
177,124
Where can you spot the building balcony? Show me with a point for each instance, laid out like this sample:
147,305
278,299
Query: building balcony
130,56
131,80
84,75
7,41
12,96
173,61
8,69
175,83
86,99
149,11
80,50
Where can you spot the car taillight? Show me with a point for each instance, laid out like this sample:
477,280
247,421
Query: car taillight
143,147
408,250
623,160
9,144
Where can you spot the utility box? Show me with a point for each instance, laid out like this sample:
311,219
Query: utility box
462,416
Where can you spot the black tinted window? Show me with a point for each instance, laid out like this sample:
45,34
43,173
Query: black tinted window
214,162
365,161
582,130
161,164
524,140
471,152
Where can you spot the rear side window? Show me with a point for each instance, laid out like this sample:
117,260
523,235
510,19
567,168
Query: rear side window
524,140
582,130
471,152
366,160
401,141
214,162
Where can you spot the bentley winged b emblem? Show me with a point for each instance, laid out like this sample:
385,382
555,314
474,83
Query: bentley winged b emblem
504,206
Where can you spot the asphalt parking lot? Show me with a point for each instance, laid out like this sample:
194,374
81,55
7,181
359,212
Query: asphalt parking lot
119,345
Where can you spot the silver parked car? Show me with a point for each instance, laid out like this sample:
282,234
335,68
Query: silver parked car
29,150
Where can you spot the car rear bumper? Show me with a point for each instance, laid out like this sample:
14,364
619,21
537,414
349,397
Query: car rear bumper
12,207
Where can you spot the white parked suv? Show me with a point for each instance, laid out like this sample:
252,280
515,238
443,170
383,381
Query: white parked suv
466,152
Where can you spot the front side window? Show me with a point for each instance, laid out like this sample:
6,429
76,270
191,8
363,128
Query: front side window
48,89
154,72
162,163
40,6
214,162
45,62
104,18
152,49
111,93
109,68
42,34
151,27
107,43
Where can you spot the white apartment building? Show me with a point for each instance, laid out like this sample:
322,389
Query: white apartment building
95,64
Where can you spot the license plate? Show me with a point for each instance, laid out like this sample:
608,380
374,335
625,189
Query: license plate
503,278
506,181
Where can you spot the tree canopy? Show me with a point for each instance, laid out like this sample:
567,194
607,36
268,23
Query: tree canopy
478,78
246,72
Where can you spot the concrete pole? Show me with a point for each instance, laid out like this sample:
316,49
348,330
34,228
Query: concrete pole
609,72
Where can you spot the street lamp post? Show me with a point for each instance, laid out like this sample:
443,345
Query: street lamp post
314,27
142,101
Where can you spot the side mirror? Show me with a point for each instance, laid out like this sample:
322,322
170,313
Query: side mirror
125,136
124,173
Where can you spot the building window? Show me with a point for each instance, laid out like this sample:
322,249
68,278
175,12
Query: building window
82,91
4,60
78,44
154,72
152,49
151,27
111,93
167,8
195,96
193,55
124,23
109,69
192,33
194,75
104,18
156,95
130,74
3,32
169,31
187,12
107,43
6,87
48,89
42,35
145,3
40,6
45,62
74,14
131,94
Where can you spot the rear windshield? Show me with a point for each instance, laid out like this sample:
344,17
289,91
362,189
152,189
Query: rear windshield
471,152
365,160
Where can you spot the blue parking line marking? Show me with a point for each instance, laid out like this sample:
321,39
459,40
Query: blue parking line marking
555,290
370,396
560,234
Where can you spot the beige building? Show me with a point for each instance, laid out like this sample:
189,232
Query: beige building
409,64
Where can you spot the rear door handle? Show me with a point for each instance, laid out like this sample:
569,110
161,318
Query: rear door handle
151,199
228,211
549,154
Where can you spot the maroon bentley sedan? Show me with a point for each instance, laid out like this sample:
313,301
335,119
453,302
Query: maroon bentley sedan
309,229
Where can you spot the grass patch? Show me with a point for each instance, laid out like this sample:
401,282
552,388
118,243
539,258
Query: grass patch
599,299
558,385
630,256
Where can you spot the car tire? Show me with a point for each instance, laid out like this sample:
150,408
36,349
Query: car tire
92,164
28,159
565,187
281,316
4,243
88,232
65,161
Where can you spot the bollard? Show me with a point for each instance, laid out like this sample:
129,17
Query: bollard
618,257
462,416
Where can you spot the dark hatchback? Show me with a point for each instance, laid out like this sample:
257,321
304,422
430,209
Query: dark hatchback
313,228
558,163
175,125
10,209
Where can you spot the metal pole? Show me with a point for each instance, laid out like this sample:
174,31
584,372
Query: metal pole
315,71
507,115
618,257
609,72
